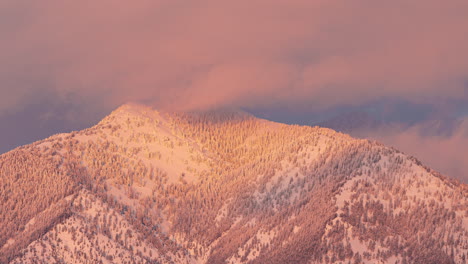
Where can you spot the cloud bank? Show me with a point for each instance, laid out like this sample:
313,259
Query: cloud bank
201,54
444,153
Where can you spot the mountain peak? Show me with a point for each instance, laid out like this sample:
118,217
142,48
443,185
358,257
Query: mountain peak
223,187
134,108
130,111
136,111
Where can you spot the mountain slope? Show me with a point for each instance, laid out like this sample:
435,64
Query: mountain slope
436,142
223,187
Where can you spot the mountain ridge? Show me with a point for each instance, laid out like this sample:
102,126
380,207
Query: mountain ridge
436,141
227,188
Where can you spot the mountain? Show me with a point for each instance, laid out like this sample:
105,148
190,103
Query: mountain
436,142
352,122
144,186
360,123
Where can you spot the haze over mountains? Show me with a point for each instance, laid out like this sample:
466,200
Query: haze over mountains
144,186
437,142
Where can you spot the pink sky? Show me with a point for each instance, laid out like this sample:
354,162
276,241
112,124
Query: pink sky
243,53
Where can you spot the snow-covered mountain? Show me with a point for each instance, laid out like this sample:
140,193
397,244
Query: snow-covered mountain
144,186
439,143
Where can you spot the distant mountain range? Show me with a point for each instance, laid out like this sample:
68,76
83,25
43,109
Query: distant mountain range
352,122
437,142
363,122
144,186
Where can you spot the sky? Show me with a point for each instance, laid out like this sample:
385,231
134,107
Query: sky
66,64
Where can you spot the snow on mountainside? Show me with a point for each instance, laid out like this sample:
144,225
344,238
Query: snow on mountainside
144,186
436,142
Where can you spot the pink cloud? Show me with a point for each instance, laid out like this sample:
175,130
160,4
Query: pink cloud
243,53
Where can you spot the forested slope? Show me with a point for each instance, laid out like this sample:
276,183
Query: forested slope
223,187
